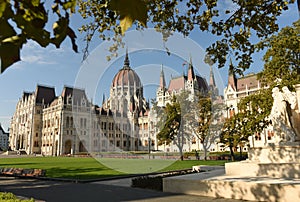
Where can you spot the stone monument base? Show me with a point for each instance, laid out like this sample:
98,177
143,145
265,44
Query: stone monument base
271,173
234,187
272,170
288,152
275,161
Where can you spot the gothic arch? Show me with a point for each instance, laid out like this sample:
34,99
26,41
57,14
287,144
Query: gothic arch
68,147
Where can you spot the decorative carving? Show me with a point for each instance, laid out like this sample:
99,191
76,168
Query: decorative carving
280,114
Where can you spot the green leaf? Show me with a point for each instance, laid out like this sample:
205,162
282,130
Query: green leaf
72,36
129,11
2,7
10,52
60,29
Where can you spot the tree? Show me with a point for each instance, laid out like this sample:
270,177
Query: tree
173,122
256,108
171,128
21,21
229,136
206,121
282,58
251,118
233,26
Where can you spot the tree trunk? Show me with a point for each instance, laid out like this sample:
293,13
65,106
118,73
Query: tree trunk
180,144
241,153
231,153
205,153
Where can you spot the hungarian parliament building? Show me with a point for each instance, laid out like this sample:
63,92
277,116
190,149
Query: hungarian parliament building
44,123
70,123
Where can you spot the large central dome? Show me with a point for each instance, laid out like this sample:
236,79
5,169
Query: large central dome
126,76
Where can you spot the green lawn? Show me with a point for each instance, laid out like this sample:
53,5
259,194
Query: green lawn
90,168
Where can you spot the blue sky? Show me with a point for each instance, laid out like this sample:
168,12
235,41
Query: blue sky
59,67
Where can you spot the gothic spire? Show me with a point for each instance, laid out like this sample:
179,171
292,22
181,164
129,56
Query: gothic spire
231,76
103,100
212,77
126,61
212,84
191,74
162,82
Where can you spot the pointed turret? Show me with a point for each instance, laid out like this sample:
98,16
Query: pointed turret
212,84
211,77
126,60
191,74
231,76
162,82
103,100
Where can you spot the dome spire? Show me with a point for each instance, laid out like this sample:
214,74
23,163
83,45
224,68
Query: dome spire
126,61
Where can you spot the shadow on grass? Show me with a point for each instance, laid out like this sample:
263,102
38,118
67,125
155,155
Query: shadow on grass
82,173
3,165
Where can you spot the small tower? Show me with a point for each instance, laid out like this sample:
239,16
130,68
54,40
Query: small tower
212,84
191,74
162,82
231,76
126,61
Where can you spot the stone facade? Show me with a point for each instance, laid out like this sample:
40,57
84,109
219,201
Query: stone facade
194,85
26,124
238,88
3,139
70,124
191,82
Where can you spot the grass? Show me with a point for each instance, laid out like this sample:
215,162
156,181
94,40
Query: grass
179,165
90,168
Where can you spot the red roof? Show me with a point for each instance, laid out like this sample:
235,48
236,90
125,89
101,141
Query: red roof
247,81
126,77
177,83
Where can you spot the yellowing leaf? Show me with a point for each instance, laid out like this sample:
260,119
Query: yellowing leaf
125,23
35,2
2,7
71,4
129,11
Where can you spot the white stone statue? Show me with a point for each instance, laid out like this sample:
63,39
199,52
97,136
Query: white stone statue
279,113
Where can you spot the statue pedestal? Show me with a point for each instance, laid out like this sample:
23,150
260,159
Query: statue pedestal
276,161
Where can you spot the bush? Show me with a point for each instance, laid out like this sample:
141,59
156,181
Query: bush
226,156
147,182
156,182
9,197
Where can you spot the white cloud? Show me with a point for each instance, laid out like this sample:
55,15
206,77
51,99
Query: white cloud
227,5
30,58
33,53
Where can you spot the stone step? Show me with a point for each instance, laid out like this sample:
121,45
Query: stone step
253,169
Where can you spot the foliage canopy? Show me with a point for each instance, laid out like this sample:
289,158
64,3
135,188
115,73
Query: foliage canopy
22,20
237,27
282,58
